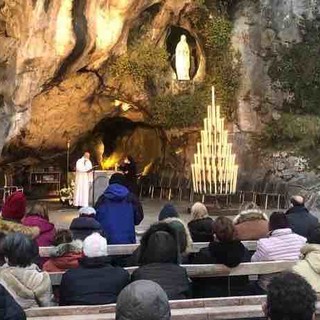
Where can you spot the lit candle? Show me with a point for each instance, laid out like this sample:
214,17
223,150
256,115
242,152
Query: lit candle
193,177
235,178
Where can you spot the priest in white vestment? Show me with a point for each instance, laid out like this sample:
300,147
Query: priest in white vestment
83,181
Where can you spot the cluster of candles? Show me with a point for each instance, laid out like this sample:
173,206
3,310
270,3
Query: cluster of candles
214,170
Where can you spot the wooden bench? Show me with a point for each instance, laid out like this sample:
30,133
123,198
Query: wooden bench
216,270
193,309
127,249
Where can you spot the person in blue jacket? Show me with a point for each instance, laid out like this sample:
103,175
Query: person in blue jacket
118,211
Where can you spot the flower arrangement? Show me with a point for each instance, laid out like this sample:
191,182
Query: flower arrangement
66,194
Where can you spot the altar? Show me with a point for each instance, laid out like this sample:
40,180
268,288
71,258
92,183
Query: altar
100,183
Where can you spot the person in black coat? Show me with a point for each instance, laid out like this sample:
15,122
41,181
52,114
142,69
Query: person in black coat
159,259
223,249
201,224
129,169
301,221
9,308
96,281
85,224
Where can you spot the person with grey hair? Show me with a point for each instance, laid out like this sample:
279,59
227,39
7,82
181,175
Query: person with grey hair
95,281
86,224
300,219
143,300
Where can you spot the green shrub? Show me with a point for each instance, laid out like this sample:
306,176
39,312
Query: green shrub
296,132
144,61
182,110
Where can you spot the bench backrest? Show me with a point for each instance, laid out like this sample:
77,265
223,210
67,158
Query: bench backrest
216,270
195,309
127,249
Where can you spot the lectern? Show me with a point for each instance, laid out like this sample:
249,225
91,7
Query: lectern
100,183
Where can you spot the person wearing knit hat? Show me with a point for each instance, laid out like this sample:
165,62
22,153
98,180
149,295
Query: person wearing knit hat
12,212
14,207
95,246
168,211
118,211
143,300
88,211
86,224
95,281
200,225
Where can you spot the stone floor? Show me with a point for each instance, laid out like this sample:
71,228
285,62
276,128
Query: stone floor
62,216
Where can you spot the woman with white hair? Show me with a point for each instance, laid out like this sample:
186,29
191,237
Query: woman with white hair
200,225
95,281
85,224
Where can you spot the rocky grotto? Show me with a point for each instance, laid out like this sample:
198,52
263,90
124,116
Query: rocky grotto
100,74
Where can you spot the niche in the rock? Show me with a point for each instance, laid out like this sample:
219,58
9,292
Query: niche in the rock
173,38
118,137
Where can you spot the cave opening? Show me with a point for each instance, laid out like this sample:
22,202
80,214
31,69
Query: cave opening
173,37
117,137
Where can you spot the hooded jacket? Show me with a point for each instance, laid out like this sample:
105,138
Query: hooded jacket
64,257
184,236
95,282
7,226
118,211
201,229
160,257
301,221
230,254
251,225
143,300
29,286
9,309
309,266
84,226
47,229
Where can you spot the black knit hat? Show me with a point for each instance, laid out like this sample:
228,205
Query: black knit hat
168,211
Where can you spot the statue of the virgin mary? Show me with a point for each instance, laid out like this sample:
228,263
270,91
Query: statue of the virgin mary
183,59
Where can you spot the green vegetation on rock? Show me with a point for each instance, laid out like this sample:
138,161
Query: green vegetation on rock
146,69
181,110
296,70
223,63
143,62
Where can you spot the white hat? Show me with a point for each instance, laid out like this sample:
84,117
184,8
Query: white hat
95,246
87,210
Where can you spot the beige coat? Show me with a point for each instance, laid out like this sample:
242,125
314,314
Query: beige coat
29,286
309,267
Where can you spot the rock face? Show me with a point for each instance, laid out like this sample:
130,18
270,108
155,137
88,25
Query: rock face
50,86
54,72
259,28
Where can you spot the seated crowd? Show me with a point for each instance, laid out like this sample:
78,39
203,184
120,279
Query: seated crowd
92,277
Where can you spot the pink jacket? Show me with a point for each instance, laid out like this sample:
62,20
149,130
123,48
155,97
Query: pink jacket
283,244
47,230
